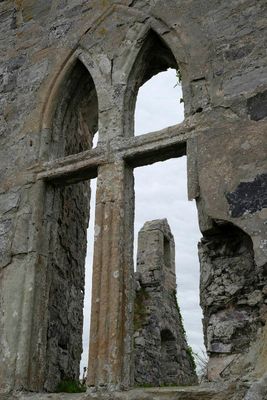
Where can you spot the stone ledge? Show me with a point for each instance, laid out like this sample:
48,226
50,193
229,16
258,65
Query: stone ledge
171,393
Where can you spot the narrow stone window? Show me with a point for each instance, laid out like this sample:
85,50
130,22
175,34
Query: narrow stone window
164,94
166,197
167,252
88,283
95,140
154,58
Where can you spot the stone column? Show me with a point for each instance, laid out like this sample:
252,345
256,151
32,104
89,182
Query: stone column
110,363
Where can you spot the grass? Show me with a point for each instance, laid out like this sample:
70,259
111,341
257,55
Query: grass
191,356
189,350
70,386
145,385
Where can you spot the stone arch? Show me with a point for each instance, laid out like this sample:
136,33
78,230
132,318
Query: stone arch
154,56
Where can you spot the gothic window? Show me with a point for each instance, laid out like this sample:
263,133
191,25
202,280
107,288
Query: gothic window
74,125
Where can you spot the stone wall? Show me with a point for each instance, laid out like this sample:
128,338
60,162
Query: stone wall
233,294
68,221
162,355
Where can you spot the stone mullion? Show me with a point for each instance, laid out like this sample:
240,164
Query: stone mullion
117,286
96,289
106,246
110,322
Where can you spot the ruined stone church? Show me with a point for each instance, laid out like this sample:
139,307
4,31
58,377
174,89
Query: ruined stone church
69,69
162,356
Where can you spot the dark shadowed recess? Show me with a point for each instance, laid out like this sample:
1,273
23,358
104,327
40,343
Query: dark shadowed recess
257,106
76,117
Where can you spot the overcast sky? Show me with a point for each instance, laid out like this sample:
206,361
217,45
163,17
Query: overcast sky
158,106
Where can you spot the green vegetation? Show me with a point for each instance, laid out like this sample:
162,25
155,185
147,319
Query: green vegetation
179,75
179,80
144,385
179,312
168,385
139,308
162,385
189,350
191,357
70,386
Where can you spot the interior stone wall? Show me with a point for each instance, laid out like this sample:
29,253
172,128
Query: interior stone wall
162,355
75,120
68,221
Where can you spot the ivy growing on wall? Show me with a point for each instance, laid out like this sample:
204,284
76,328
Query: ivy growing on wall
189,350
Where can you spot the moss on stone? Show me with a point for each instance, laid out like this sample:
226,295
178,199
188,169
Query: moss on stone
191,357
70,386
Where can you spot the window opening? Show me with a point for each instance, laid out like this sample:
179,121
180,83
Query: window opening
167,252
88,282
95,140
166,197
67,215
158,103
75,124
154,57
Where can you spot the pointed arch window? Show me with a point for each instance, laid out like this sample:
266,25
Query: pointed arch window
75,120
154,58
74,125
